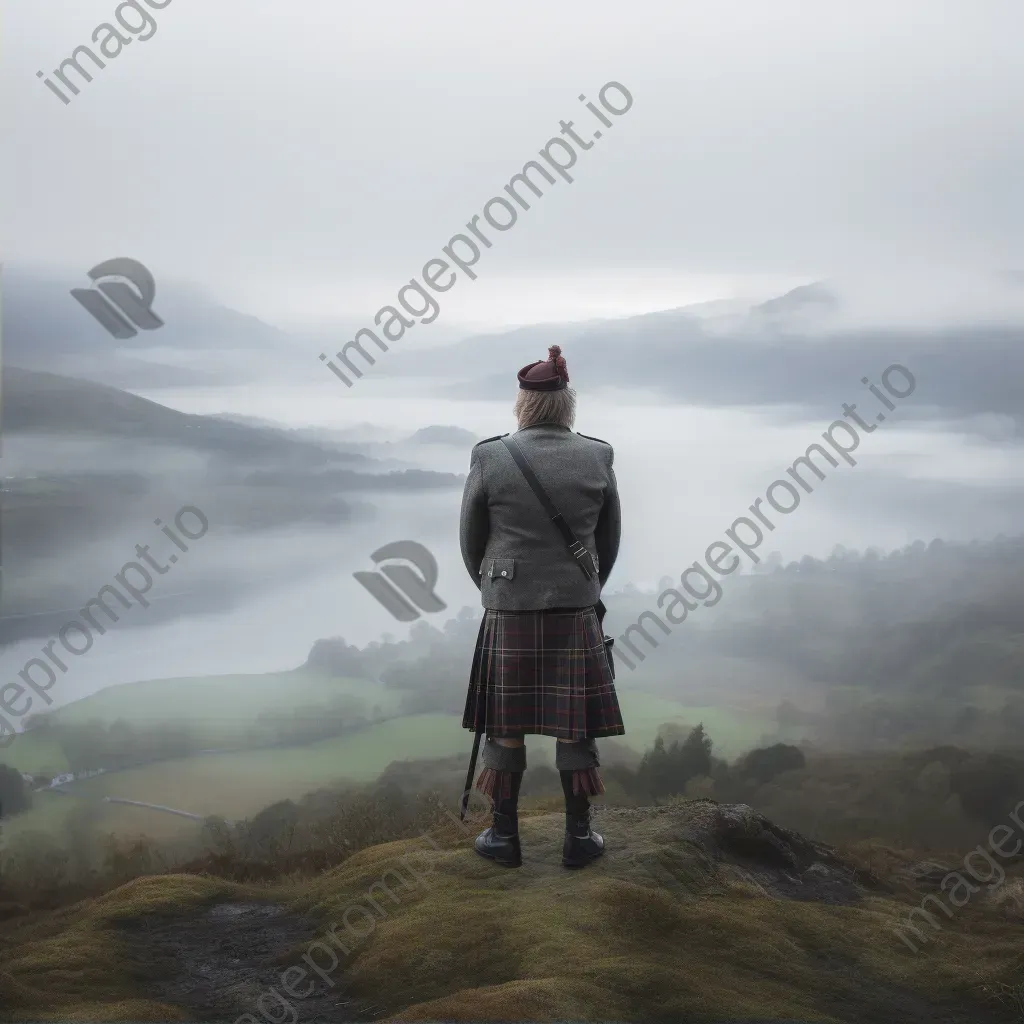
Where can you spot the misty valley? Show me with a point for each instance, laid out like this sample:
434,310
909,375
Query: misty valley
240,800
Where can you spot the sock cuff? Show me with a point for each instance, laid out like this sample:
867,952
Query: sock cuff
575,756
504,759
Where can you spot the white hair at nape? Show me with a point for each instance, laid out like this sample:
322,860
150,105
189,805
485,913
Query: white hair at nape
536,407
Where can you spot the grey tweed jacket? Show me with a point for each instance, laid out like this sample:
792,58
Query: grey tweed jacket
511,549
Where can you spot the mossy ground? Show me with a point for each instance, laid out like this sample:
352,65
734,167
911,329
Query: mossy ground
662,928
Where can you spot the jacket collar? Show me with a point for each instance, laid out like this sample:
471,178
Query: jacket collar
549,427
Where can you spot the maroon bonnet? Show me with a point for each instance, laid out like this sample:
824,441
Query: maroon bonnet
548,374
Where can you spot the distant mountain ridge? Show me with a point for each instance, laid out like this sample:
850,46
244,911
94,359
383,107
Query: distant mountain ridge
45,328
47,403
41,317
798,352
456,436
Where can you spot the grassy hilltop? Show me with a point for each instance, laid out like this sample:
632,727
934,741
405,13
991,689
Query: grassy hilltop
699,912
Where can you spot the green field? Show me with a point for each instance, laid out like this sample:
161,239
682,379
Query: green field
35,753
222,703
239,784
218,708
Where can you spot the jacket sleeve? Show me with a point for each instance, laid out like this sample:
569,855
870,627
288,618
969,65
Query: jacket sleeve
608,529
474,522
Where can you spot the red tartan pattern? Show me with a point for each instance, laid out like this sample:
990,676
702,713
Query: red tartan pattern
545,673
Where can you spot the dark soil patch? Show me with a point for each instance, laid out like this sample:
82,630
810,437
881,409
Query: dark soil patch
228,961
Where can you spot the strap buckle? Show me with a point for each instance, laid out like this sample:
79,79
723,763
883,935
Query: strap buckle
580,552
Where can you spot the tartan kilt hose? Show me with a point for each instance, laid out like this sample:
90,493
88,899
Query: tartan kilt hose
542,672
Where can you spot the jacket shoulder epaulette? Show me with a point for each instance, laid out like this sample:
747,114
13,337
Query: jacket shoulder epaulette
497,437
601,439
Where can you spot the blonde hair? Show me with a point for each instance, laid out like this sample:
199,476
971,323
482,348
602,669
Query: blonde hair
535,407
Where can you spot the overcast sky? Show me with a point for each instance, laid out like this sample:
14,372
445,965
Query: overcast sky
310,158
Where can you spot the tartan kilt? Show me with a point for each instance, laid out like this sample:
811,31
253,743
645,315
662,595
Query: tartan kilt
544,672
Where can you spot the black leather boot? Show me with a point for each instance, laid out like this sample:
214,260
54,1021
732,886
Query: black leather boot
500,842
582,844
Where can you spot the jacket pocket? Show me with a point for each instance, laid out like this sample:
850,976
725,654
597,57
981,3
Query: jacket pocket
499,568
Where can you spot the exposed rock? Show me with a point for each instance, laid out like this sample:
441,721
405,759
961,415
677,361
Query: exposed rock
927,873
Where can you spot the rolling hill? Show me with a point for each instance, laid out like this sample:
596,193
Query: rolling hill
87,463
697,912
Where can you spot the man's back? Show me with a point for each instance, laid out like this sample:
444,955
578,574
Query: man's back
508,538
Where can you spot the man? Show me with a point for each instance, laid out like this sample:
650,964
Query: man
541,665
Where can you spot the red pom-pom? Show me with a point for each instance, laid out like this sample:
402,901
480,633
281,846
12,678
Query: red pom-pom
561,368
555,356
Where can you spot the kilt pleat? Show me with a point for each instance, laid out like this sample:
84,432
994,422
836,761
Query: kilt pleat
542,672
